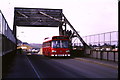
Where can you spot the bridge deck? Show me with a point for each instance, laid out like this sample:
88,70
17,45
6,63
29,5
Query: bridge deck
24,67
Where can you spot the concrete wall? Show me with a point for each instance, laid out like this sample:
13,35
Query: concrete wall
106,55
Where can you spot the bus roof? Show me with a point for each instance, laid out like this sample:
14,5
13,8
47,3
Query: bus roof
47,39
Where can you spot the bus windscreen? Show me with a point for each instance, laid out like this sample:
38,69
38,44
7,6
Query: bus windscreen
60,44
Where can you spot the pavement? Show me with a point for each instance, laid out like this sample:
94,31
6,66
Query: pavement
111,64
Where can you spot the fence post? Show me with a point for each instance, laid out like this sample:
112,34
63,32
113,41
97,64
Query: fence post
90,53
96,54
107,55
101,55
114,56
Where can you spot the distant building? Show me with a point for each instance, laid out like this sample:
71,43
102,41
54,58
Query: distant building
24,47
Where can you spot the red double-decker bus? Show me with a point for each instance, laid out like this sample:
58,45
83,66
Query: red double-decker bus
56,46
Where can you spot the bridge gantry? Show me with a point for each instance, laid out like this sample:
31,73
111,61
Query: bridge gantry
41,17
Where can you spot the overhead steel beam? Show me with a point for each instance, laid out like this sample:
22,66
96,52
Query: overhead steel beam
37,17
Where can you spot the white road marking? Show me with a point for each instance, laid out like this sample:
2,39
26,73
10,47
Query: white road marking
33,67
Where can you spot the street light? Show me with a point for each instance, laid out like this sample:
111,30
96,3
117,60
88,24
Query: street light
22,32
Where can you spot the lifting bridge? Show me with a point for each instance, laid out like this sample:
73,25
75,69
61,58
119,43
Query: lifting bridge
42,17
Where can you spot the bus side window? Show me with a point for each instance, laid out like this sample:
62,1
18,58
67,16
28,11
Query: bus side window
50,43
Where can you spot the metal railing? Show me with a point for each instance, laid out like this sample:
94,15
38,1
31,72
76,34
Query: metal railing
102,41
104,45
108,38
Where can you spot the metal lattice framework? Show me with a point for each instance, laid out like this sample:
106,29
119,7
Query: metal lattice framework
46,18
36,17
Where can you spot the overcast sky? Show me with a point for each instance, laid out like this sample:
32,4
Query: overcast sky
87,16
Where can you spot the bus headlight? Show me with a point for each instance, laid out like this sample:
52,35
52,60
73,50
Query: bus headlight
68,54
68,51
53,51
52,55
65,54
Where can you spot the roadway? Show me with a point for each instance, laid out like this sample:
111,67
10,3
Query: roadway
36,66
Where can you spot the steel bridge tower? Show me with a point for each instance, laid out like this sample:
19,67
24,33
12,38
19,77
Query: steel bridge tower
41,17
